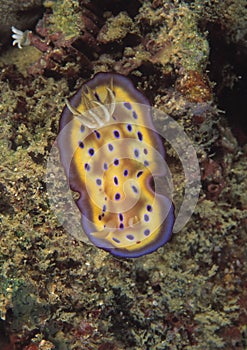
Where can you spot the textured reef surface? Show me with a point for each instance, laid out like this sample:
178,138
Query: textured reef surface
56,292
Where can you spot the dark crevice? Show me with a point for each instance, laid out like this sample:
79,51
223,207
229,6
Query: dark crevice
228,61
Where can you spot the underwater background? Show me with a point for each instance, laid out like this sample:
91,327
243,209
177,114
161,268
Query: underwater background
57,292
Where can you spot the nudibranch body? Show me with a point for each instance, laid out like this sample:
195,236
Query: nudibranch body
112,155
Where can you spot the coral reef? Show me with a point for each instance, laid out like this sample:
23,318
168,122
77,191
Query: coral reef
58,292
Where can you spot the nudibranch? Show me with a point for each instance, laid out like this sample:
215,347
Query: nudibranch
111,154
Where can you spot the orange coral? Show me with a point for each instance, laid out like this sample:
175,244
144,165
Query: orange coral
195,87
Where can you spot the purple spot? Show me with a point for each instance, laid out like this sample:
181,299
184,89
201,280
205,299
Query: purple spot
115,180
120,216
139,173
87,166
145,151
117,196
146,163
149,208
116,161
105,166
127,105
121,226
81,144
97,134
129,127
130,237
98,182
147,232
91,151
134,115
146,217
136,153
110,147
115,240
104,208
82,128
116,133
126,172
134,189
139,134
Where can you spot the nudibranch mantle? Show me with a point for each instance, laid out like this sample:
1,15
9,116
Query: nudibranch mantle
111,155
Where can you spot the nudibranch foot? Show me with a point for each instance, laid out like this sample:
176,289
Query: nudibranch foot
112,155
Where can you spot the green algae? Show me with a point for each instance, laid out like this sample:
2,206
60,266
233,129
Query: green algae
178,41
187,47
22,58
117,28
66,18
